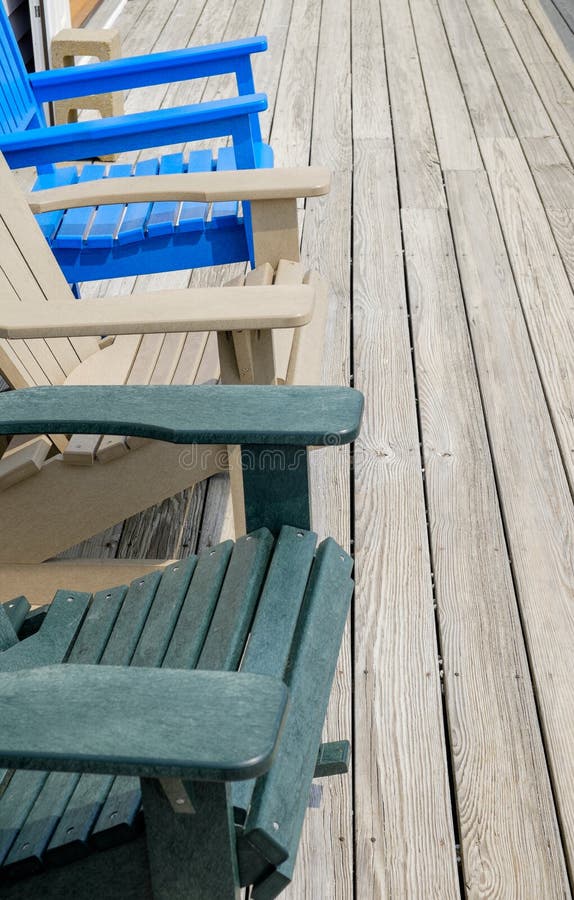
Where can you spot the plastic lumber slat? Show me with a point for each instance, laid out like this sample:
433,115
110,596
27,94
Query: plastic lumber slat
132,227
106,220
26,854
90,791
225,213
192,215
163,216
50,221
75,222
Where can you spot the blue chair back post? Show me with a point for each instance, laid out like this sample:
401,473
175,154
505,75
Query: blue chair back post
19,110
246,85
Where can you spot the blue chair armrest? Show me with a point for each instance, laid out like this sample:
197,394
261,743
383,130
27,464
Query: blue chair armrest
157,723
207,414
165,126
140,71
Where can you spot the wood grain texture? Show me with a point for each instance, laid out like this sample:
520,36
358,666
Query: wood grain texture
526,109
400,759
399,767
293,120
509,839
489,115
542,282
417,157
534,494
452,125
554,27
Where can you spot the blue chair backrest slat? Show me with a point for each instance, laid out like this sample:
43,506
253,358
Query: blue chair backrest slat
18,107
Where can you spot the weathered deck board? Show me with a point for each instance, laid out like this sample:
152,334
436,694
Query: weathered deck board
404,849
537,504
508,836
481,96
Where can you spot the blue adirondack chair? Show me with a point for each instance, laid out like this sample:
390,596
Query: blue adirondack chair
137,238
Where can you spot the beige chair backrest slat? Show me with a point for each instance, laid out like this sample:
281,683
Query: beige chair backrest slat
28,266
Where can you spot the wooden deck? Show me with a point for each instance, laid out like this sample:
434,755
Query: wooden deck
448,241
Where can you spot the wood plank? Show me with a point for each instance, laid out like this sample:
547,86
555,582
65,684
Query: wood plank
553,25
497,753
536,500
452,125
293,118
409,760
401,795
543,285
525,107
488,112
417,157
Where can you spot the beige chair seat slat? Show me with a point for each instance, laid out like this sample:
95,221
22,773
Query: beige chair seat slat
22,458
108,366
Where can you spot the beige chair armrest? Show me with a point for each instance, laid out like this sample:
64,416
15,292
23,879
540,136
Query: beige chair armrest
196,309
203,187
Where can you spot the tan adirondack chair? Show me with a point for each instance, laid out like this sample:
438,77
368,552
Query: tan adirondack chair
57,491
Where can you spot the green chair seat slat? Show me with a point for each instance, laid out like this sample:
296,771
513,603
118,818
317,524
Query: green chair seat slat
275,620
130,622
75,827
16,611
197,611
222,631
49,793
69,839
227,634
121,812
18,809
52,643
164,613
159,626
280,797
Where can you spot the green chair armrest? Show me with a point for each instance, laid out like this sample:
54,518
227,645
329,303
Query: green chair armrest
157,723
207,414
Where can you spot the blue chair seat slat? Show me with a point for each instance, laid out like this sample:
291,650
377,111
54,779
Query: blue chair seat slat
163,216
226,212
106,221
75,221
50,221
132,228
192,215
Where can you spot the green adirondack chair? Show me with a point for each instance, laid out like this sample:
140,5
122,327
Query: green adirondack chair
213,676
